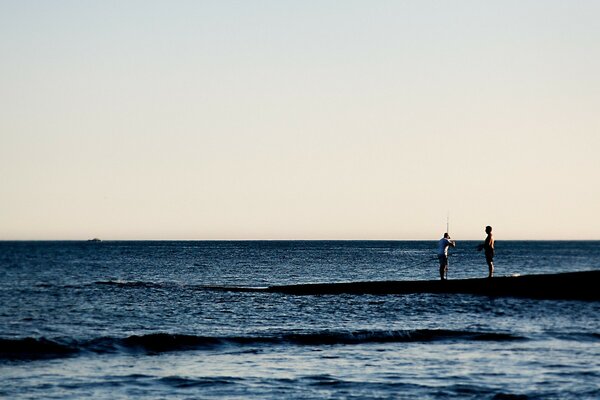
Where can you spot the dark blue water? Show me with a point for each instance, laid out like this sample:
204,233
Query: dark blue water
139,320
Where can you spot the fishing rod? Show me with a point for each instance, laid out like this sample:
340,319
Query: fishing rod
429,260
449,255
448,232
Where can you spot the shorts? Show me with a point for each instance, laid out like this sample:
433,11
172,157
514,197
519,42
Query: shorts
443,259
489,256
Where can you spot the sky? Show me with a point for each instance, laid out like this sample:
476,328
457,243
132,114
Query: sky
299,119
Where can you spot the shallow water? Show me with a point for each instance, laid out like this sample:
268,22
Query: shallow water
137,319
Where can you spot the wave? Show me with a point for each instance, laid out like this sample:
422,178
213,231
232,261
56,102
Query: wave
135,284
155,343
181,382
115,283
33,349
42,348
577,336
163,285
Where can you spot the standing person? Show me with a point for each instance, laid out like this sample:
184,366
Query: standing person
443,245
488,246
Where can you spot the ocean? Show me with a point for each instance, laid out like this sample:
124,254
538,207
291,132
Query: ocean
147,320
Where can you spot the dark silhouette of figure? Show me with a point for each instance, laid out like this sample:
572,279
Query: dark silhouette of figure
443,245
488,247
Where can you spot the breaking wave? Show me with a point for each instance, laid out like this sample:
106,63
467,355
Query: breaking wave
42,348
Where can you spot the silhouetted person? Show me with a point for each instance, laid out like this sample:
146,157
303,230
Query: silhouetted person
488,247
443,245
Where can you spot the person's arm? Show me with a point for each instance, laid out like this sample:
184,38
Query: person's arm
489,242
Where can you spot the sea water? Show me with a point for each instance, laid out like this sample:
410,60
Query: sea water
126,320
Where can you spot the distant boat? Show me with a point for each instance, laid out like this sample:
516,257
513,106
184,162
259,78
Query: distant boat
94,240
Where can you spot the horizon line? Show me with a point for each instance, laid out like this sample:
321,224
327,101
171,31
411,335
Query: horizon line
97,240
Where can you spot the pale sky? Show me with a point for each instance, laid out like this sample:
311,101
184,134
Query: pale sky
299,119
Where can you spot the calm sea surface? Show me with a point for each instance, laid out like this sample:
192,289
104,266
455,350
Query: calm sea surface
128,320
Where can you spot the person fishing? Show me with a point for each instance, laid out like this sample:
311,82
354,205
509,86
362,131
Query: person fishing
442,252
488,246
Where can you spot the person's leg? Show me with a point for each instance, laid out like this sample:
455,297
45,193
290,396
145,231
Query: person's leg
443,267
490,264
